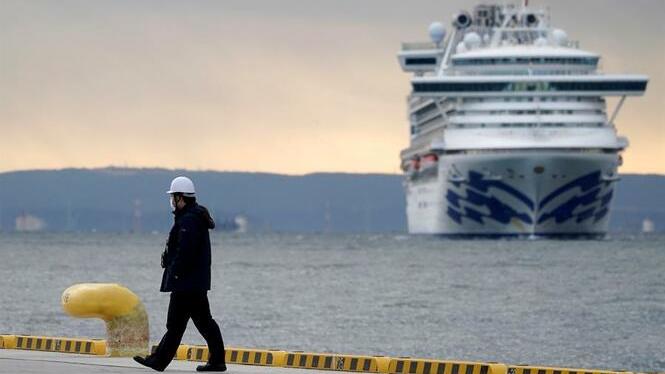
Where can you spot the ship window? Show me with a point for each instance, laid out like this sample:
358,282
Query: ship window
599,86
525,60
421,61
530,86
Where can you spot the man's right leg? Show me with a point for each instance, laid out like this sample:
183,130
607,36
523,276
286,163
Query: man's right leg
176,323
208,328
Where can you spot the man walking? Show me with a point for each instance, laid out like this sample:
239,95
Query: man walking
186,262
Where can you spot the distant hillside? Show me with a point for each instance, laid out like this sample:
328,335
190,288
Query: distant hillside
106,200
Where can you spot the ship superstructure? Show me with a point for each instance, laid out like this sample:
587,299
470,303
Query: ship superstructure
510,130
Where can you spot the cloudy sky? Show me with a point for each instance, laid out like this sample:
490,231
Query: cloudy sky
276,86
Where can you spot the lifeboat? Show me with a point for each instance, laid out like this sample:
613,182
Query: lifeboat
429,161
412,167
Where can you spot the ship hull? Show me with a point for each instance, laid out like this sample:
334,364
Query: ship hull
517,193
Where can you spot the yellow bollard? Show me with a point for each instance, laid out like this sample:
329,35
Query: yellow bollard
383,364
122,311
8,341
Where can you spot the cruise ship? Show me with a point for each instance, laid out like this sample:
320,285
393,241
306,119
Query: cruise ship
511,134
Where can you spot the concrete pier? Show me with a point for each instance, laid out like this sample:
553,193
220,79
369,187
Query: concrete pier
38,354
14,361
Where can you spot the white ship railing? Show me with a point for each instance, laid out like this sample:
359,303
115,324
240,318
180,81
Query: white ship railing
418,46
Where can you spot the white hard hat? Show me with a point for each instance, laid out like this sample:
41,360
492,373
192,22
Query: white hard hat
182,185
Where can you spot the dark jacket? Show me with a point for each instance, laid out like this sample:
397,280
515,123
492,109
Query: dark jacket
186,259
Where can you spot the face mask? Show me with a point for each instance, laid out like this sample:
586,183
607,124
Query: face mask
172,201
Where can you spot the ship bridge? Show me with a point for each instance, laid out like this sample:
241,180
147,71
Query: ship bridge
506,67
524,60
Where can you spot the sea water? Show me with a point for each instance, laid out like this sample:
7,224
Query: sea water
590,304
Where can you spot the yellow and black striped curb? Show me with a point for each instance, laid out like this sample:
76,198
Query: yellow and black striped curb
242,356
405,365
181,353
527,369
301,360
51,344
323,361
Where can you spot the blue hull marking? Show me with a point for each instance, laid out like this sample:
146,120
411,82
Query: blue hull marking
588,204
476,181
600,214
589,197
565,211
498,210
585,183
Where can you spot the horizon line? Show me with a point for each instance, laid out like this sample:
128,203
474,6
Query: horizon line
161,168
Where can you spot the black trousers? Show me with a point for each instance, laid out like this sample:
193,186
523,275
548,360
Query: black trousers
182,307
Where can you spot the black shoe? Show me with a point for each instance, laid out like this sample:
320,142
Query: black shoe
211,367
143,361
